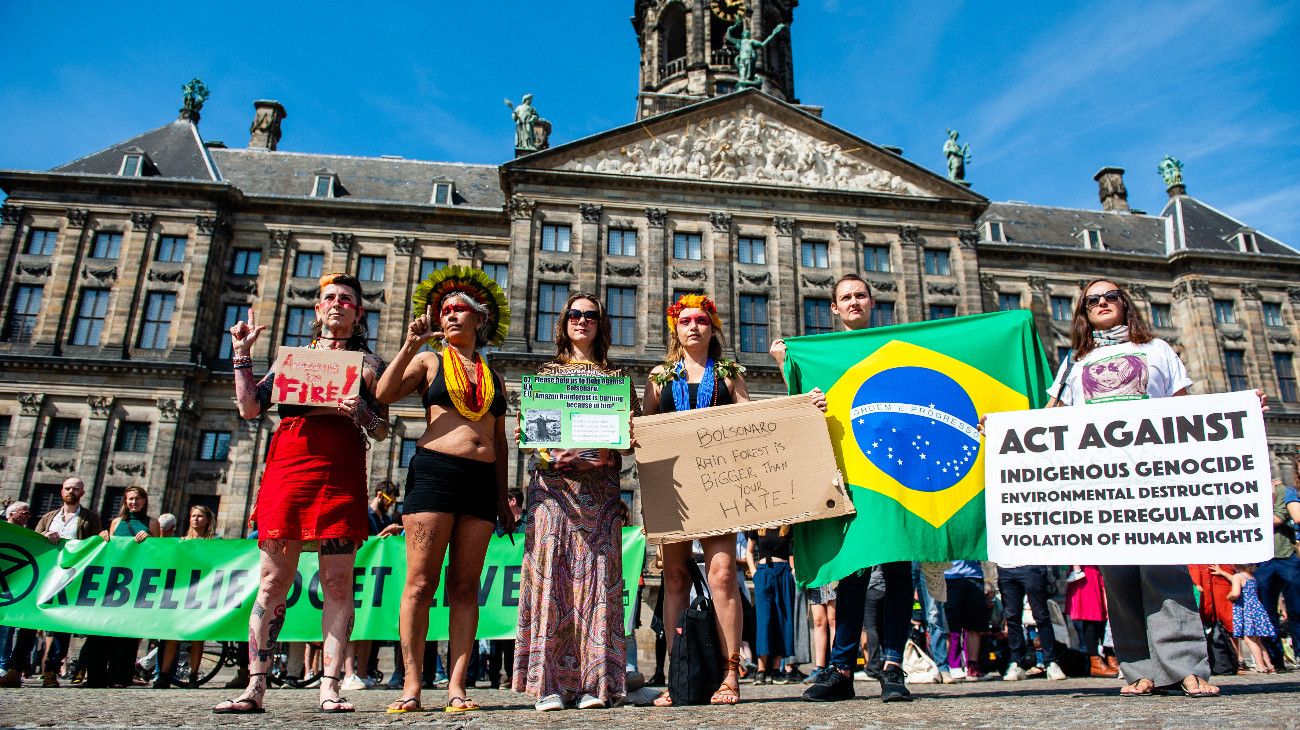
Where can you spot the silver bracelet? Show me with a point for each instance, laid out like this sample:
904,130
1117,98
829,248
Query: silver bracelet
375,422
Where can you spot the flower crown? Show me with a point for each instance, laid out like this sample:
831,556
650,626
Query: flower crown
693,301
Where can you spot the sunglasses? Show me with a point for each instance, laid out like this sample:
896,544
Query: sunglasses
702,320
1093,300
455,307
591,315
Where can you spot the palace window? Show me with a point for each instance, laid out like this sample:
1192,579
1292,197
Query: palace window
91,313
942,311
442,193
108,245
428,266
686,246
214,445
1008,301
1273,315
1234,362
812,254
23,311
1223,312
408,452
171,249
63,433
308,264
816,316
751,250
550,299
1091,238
132,165
132,436
158,311
297,329
1062,309
1286,383
753,323
372,330
993,232
937,262
323,187
231,315
621,242
1161,316
500,273
40,242
882,315
1246,242
246,262
371,268
556,238
875,258
620,302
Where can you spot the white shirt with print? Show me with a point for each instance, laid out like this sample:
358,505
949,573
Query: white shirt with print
1122,372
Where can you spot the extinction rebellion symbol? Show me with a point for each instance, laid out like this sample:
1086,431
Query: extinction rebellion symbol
18,574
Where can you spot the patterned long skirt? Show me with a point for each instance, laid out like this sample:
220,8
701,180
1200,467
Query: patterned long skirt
570,638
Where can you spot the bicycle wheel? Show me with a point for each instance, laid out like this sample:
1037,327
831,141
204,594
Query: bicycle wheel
202,668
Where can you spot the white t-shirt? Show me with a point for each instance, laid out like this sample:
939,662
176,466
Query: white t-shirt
1122,372
64,525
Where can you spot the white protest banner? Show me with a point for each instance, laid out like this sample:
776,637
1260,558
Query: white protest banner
307,376
1164,481
738,467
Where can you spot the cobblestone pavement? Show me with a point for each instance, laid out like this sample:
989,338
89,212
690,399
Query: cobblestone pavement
1248,701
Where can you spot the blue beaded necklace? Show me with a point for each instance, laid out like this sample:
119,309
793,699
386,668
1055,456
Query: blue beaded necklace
682,388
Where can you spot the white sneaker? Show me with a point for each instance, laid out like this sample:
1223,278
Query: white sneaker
590,702
1014,673
352,683
957,673
549,703
1054,672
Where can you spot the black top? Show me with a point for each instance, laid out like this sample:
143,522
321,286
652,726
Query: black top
721,395
437,394
771,545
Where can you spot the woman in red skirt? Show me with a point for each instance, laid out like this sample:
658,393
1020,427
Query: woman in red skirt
313,493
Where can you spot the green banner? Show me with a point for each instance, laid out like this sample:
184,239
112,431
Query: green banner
903,408
165,588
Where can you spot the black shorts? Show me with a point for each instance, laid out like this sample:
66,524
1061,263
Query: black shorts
966,608
438,482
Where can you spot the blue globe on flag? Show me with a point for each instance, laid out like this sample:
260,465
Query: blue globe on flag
918,426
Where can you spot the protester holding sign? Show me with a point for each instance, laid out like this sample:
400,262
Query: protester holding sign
456,488
571,646
313,492
695,376
1115,356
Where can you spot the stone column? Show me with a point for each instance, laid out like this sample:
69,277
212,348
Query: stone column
1194,315
11,231
969,271
591,252
405,277
787,282
1040,306
95,447
24,440
658,289
274,277
1252,320
523,252
345,246
722,243
910,306
68,258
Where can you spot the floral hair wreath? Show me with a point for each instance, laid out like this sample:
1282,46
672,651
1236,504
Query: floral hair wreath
693,301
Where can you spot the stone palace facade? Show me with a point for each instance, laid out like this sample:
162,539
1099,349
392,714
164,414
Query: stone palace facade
123,269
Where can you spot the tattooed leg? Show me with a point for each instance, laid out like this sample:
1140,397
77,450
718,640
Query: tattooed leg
337,558
427,534
279,565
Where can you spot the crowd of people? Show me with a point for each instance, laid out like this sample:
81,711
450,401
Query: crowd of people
1160,627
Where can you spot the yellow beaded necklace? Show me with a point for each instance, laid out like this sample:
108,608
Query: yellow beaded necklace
458,384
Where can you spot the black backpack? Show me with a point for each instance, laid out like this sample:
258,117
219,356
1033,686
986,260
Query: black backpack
696,668
1223,658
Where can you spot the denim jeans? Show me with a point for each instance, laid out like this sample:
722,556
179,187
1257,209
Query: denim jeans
936,623
1017,584
1280,577
850,604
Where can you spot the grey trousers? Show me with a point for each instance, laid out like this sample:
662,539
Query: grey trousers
1154,621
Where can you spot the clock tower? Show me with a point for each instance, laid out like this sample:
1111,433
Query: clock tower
689,50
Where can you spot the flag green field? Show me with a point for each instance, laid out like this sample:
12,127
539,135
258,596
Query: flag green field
904,404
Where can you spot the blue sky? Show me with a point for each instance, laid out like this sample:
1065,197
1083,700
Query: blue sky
1045,93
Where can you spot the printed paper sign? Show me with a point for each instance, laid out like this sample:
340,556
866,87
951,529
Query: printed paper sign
311,377
575,412
1165,481
739,467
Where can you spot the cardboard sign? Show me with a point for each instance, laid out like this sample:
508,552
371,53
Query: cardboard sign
575,411
739,467
310,377
1164,481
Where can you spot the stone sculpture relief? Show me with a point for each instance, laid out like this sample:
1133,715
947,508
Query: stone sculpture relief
750,148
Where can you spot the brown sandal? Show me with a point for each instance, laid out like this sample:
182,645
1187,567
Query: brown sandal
726,694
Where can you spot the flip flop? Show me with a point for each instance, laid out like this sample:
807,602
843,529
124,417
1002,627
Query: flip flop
233,707
1199,687
466,705
336,701
403,703
1143,687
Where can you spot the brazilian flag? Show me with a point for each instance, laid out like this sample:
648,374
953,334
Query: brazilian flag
904,403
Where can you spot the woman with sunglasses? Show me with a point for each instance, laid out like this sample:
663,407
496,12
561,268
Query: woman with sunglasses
570,647
695,376
1115,356
313,491
456,486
